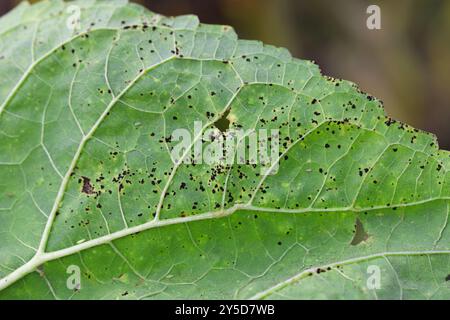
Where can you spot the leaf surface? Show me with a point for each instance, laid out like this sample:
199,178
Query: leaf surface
87,178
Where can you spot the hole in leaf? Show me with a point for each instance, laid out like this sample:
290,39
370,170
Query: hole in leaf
223,124
360,234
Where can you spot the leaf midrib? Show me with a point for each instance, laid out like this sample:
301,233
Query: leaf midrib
38,260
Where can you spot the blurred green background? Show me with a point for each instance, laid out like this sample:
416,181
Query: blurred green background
406,64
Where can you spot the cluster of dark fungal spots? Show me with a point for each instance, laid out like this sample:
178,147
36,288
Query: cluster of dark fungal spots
230,198
349,105
102,91
238,224
195,205
143,27
337,82
362,171
264,189
218,171
248,59
322,270
290,84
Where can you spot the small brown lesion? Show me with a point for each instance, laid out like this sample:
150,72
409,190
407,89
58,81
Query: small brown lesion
87,186
41,271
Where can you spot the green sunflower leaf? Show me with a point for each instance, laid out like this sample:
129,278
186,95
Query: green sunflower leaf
93,205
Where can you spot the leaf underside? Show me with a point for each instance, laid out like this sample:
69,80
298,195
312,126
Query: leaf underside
86,176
